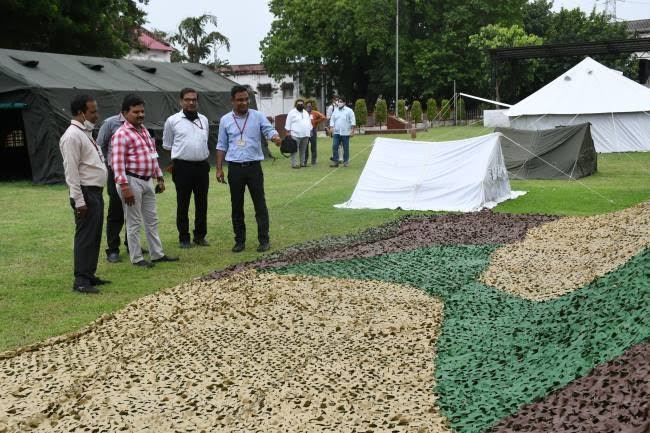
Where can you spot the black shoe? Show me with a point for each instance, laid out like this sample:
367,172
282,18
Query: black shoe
264,247
164,259
96,281
201,242
113,258
88,288
238,248
334,165
143,264
185,244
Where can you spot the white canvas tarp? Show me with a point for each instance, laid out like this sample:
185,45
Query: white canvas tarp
617,107
463,175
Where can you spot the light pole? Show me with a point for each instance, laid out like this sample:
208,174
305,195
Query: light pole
396,54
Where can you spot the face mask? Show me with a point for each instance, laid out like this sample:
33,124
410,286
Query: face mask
300,107
89,125
341,104
308,109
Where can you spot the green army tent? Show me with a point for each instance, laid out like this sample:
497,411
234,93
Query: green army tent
565,152
36,90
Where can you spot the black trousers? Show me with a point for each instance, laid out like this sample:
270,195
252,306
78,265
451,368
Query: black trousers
313,141
114,218
191,177
241,176
88,235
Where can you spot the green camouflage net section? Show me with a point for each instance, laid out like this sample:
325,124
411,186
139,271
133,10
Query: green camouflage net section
497,351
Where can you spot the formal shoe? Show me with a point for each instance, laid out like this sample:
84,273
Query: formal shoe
88,288
295,166
335,165
201,242
238,248
143,264
333,159
185,244
113,258
96,281
164,259
264,247
345,164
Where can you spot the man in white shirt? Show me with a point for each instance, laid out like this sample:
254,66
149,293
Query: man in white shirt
85,174
342,124
298,126
186,136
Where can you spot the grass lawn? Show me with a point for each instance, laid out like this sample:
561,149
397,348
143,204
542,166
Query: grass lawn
36,231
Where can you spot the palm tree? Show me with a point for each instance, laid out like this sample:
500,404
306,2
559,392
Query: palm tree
195,42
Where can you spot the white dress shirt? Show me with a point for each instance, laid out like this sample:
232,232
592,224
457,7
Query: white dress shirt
187,139
83,161
298,123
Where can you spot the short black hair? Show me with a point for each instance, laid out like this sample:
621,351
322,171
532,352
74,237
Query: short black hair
341,99
131,100
300,100
80,104
187,90
237,89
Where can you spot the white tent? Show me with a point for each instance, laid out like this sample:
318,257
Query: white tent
464,175
617,107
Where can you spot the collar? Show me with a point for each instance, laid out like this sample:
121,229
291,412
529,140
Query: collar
78,124
183,114
241,116
131,126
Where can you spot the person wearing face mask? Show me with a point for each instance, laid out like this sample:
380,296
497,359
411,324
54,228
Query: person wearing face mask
85,174
342,125
316,118
186,136
135,163
298,127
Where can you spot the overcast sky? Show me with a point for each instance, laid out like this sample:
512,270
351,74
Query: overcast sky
246,22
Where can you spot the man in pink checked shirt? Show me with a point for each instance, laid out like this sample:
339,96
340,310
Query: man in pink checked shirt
135,164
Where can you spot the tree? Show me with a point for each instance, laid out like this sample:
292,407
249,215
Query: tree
105,28
416,112
432,109
401,109
381,112
196,44
445,109
361,112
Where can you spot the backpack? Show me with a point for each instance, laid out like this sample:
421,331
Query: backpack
288,145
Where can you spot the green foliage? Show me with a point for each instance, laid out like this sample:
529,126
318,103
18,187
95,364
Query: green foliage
460,109
416,112
381,112
361,112
432,109
105,28
195,43
445,109
401,109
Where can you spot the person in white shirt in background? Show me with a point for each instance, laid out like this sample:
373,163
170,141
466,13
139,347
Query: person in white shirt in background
186,136
298,126
85,174
342,125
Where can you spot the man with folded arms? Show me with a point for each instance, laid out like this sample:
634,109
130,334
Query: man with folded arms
85,174
135,164
186,136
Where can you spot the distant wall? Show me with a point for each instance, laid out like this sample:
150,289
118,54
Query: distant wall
495,118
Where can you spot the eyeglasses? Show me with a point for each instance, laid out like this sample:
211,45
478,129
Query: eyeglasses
190,99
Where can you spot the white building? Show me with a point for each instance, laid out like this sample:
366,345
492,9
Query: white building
272,97
641,29
155,51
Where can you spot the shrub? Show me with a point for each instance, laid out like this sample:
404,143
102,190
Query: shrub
445,109
381,112
361,112
432,109
462,114
416,112
401,109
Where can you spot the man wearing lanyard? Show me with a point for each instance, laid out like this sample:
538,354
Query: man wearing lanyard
239,145
85,174
186,135
135,162
298,127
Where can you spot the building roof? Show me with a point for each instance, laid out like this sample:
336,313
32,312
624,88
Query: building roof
153,44
639,26
256,68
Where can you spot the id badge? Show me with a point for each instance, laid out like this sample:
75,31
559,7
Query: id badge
241,142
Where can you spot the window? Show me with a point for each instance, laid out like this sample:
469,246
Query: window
266,92
287,90
15,138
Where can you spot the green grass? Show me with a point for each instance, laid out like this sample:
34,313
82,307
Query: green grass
36,231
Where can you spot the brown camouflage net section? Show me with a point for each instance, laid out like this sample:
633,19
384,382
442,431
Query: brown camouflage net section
613,398
253,352
560,257
478,228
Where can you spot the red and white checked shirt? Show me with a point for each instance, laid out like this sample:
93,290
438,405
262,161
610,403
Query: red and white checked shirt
133,151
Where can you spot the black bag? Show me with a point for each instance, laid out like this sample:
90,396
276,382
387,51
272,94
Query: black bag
288,145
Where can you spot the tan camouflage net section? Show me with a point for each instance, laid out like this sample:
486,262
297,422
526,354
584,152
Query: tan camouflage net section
252,352
559,257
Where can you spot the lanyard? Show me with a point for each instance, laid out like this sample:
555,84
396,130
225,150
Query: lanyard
242,129
101,157
200,125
